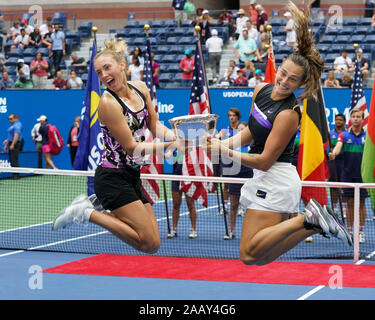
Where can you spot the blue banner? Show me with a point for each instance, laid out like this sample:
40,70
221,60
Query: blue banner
90,136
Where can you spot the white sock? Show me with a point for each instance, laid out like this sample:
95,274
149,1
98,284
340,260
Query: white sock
87,213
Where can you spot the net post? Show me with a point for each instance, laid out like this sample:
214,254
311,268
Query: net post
356,222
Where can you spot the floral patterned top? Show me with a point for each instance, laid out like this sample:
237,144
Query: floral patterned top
114,155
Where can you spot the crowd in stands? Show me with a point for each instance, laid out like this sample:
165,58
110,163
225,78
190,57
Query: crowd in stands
32,55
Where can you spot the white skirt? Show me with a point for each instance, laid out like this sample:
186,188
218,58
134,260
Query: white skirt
277,190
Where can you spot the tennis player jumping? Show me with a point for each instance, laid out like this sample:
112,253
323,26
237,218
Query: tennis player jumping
275,190
125,111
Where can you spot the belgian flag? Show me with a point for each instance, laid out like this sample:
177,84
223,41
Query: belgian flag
312,162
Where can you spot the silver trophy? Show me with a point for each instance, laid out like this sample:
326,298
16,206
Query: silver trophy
195,128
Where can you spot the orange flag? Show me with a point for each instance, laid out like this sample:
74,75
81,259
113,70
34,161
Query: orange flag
271,66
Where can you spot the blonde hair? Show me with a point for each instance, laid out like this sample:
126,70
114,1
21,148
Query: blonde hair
358,110
306,55
117,48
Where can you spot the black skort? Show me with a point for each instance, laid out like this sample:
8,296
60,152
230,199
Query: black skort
117,187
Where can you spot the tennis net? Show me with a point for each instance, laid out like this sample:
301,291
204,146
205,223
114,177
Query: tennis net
29,204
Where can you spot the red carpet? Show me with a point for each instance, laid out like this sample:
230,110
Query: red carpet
297,273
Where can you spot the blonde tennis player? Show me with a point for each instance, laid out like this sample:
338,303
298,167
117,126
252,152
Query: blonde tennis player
275,190
125,111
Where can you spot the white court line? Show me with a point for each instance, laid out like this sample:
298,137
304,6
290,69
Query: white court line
316,289
77,238
310,293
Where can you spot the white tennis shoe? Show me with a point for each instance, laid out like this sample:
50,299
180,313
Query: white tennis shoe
77,212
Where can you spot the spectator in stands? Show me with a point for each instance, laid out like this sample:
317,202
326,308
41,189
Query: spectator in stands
241,80
59,83
352,142
232,68
46,39
138,53
314,9
262,19
177,198
214,47
155,70
346,81
15,30
44,27
187,67
205,24
58,47
253,31
331,81
253,12
289,29
262,53
74,82
198,16
258,78
6,82
245,48
248,69
79,64
38,68
21,41
226,20
43,131
343,62
3,28
28,28
363,64
373,21
240,23
179,12
35,38
135,69
23,75
2,63
14,141
228,79
72,142
369,8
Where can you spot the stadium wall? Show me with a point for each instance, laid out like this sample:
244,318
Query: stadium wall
61,107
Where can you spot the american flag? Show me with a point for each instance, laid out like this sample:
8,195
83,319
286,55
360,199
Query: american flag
197,162
358,99
151,187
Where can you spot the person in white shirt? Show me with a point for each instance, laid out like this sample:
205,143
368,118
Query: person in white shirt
135,70
21,41
253,31
74,82
343,63
28,28
258,78
289,29
23,70
15,30
214,46
44,27
240,23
